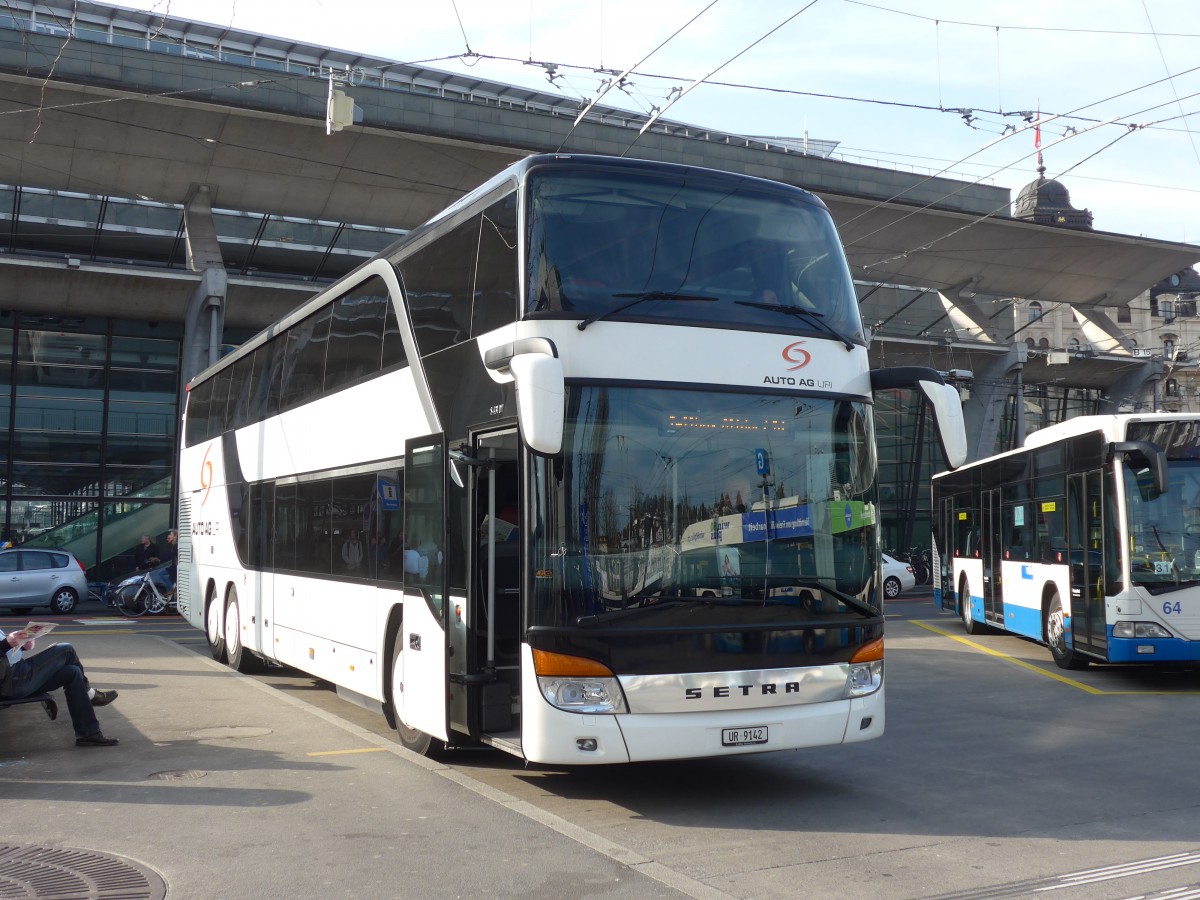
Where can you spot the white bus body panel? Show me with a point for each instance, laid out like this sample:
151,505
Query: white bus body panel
695,356
314,437
550,735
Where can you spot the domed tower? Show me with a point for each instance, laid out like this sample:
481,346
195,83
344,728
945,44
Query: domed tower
1047,202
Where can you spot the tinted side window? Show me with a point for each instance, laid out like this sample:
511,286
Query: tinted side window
267,383
237,409
198,402
313,539
262,521
304,364
354,525
394,354
438,280
496,274
220,397
356,334
286,525
8,562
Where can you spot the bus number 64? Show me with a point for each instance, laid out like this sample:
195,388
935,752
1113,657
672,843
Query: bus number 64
1169,608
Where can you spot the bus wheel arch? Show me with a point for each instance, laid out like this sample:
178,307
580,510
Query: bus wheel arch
1054,631
214,622
410,738
395,624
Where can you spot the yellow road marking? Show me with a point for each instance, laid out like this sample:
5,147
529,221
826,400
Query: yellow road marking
1062,679
344,752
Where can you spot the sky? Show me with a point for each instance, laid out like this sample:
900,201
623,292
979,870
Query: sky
928,86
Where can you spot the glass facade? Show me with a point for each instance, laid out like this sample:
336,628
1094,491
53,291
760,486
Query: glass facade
90,410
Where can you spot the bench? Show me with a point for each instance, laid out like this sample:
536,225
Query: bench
45,699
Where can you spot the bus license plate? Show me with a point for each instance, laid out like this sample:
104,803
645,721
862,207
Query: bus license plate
739,737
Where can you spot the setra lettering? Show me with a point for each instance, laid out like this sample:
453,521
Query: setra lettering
723,692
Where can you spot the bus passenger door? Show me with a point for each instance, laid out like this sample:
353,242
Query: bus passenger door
422,703
489,659
991,551
1086,552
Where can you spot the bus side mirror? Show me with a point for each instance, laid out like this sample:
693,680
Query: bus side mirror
541,400
1145,455
943,400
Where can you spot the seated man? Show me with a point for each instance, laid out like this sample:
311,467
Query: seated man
56,667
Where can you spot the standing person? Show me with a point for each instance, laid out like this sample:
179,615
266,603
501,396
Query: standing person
352,552
55,667
171,553
145,551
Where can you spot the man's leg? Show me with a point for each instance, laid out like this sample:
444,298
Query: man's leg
53,668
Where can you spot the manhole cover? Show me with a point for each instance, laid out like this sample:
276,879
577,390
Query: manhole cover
181,775
53,872
230,731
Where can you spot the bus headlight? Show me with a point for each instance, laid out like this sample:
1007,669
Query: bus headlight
866,670
577,684
1140,630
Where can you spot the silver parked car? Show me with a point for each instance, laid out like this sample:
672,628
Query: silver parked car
35,577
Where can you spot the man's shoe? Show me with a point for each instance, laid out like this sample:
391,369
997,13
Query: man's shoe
96,740
103,698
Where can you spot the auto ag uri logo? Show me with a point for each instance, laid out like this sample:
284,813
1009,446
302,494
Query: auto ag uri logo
206,468
797,355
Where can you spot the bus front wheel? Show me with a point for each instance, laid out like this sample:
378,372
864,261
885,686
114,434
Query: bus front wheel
410,738
1056,637
964,609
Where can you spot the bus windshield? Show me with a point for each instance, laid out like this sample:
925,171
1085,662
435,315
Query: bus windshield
1164,529
622,245
672,507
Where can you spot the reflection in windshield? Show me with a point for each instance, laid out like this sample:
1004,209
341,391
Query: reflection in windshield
740,507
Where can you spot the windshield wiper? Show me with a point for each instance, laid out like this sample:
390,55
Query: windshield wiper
812,315
640,297
848,599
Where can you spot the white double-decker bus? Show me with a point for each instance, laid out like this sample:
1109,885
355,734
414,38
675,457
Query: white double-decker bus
461,483
1086,539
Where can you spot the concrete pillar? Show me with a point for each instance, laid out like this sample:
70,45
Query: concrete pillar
1105,335
1140,385
984,411
968,318
205,320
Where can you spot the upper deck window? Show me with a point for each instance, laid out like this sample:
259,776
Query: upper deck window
762,259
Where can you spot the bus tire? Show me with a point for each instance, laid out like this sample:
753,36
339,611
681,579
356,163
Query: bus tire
214,626
410,738
237,657
964,610
1056,636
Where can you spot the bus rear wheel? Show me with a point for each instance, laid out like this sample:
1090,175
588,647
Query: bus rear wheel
964,609
410,738
214,627
236,654
1056,637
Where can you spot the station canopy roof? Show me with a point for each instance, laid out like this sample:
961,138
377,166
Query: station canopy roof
890,243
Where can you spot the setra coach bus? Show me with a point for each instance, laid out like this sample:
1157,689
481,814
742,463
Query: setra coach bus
1086,539
471,483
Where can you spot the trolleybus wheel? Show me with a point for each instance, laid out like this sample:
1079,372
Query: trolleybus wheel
214,627
411,738
964,608
1056,637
